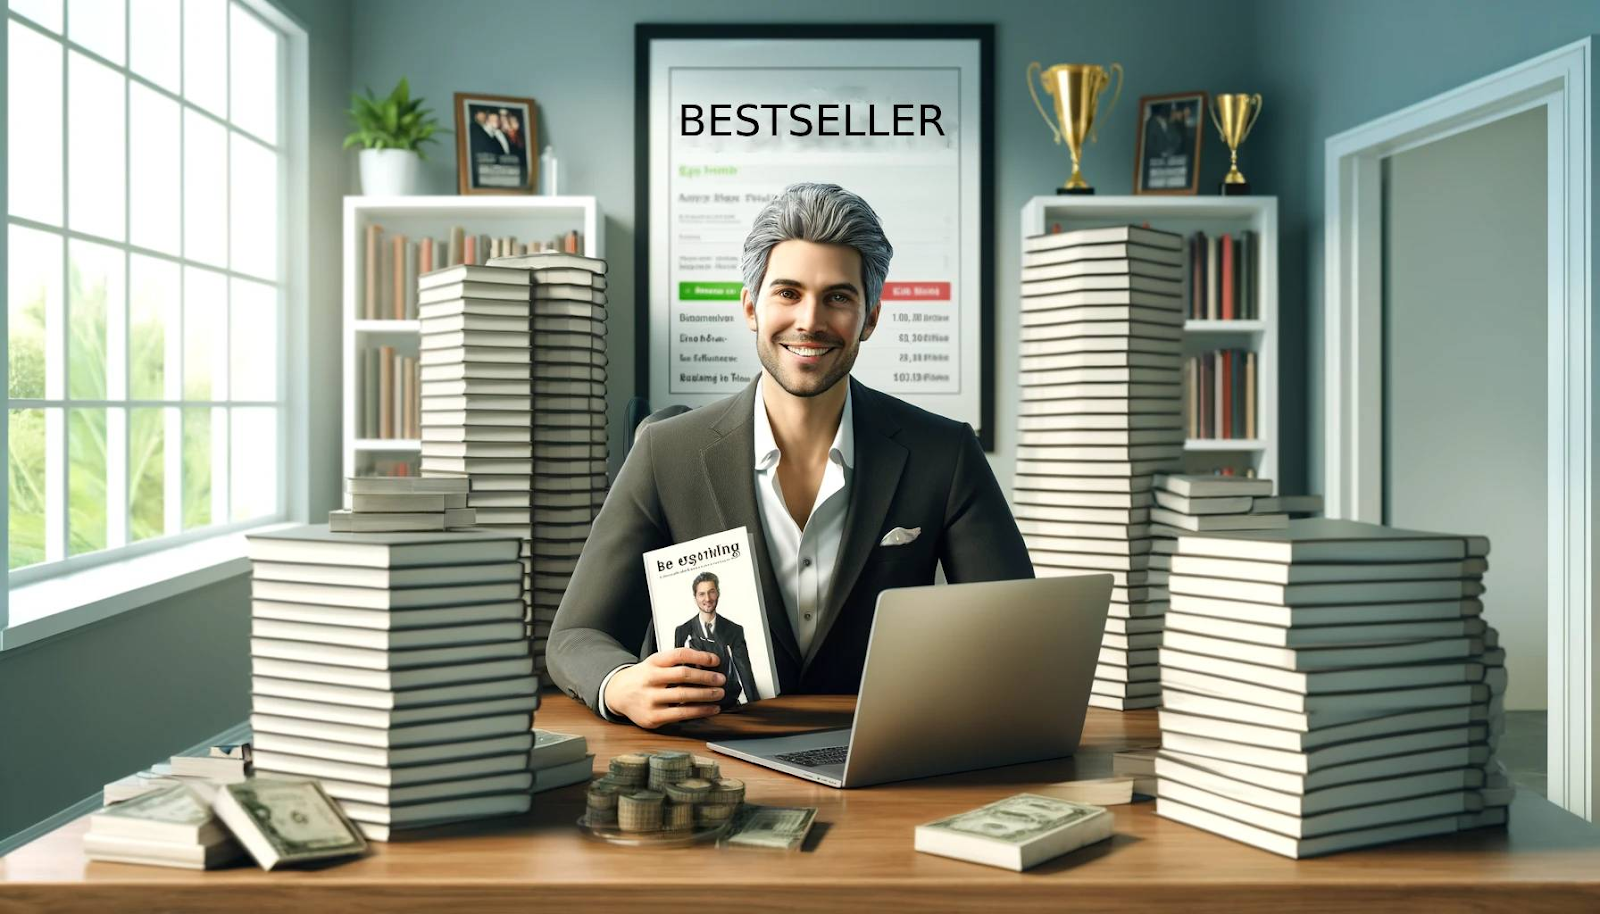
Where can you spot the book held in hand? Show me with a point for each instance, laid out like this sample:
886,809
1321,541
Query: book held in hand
704,595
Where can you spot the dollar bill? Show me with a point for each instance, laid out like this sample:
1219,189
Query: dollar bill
176,805
1017,819
771,827
286,821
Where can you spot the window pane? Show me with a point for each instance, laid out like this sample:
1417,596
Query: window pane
254,361
146,474
253,80
205,335
98,25
86,480
205,54
154,158
96,156
33,123
254,208
205,189
153,304
153,41
26,491
33,313
254,472
197,462
97,290
45,12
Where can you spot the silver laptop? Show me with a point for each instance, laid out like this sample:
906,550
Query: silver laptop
958,677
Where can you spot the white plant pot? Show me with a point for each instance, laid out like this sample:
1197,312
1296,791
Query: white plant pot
390,172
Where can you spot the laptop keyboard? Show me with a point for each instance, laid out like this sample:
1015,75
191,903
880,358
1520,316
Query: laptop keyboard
815,758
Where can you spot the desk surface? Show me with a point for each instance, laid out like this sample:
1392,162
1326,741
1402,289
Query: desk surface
859,855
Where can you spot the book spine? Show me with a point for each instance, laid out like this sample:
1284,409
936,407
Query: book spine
469,249
1227,278
425,256
1190,387
397,264
1211,279
374,236
386,392
457,246
398,404
1226,394
1250,395
413,260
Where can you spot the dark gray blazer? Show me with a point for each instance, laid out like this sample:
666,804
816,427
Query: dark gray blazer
694,475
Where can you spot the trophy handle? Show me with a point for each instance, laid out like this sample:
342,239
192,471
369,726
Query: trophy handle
1216,123
1254,117
1033,68
1106,115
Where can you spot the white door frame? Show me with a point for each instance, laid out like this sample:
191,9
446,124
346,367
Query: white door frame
1562,83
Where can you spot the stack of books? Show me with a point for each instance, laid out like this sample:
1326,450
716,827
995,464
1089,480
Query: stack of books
402,504
560,760
173,826
569,424
513,401
1101,412
220,765
1330,685
395,668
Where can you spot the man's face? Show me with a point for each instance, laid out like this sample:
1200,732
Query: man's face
493,121
479,117
810,315
706,596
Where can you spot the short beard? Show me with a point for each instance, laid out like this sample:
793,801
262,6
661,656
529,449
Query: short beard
770,361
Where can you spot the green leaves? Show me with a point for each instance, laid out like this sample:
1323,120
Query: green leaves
395,122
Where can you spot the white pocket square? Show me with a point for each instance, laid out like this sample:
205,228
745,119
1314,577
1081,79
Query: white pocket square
899,536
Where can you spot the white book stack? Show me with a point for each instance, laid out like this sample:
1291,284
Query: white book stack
402,504
513,400
560,760
1191,504
1330,685
395,669
1101,412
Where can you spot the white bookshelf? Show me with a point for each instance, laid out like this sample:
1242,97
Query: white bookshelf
527,218
1214,216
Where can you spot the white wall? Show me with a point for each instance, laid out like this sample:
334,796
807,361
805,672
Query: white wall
1464,364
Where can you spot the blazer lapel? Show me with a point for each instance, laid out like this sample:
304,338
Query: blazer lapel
730,476
879,462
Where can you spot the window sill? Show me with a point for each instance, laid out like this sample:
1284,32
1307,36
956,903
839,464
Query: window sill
47,608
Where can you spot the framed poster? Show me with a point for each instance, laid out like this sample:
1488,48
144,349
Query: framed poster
495,143
1171,127
727,116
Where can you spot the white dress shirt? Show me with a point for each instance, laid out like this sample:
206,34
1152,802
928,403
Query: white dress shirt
802,560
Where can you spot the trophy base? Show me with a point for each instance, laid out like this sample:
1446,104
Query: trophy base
1075,191
1235,190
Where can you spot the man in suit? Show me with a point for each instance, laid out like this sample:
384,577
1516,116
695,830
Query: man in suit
718,635
845,491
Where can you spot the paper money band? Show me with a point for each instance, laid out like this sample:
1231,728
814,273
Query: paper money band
689,790
640,811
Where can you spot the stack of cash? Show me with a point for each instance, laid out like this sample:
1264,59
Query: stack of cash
559,760
171,826
769,827
394,667
1330,685
283,822
1101,412
402,504
220,765
1017,832
513,400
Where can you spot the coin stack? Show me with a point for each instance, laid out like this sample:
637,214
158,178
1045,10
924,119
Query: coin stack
602,802
513,398
631,770
568,423
669,768
706,768
720,803
640,811
1101,411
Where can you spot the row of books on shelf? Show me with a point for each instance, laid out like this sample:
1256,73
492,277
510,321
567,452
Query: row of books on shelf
1222,277
1221,394
395,260
390,402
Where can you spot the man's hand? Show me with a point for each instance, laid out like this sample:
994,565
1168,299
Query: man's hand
661,689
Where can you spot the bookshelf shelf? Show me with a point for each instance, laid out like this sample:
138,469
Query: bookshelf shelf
1214,216
524,218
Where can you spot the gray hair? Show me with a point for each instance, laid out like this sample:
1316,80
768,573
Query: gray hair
824,214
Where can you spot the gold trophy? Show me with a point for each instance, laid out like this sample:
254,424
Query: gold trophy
1076,88
1238,114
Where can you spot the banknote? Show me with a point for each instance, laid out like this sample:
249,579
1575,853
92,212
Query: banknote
1017,819
287,821
772,827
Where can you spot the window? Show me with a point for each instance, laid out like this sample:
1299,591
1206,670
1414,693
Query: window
146,395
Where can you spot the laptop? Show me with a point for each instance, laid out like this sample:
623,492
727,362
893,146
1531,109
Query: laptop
958,677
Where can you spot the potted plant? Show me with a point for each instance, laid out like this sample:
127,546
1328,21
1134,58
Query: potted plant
390,132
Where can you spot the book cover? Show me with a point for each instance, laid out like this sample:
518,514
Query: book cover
1227,279
704,595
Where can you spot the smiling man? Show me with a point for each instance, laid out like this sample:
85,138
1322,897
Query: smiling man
846,491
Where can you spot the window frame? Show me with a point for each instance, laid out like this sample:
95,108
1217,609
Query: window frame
123,577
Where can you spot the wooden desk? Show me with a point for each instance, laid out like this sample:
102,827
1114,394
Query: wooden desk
858,858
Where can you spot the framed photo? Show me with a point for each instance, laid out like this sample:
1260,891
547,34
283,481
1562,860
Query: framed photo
1171,128
496,144
727,116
